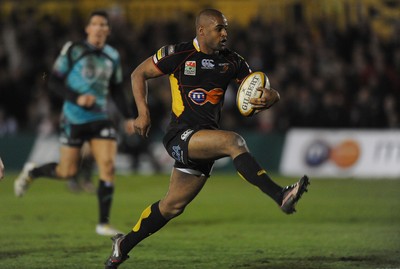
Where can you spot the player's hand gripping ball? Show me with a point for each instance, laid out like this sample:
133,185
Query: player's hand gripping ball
255,85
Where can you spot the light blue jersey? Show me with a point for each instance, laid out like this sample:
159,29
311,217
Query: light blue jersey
88,70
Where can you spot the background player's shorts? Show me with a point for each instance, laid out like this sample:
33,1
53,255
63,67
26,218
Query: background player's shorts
75,135
176,142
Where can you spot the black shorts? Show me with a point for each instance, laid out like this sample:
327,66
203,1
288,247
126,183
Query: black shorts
75,135
176,142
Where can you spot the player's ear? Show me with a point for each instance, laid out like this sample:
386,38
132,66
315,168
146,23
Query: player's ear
200,31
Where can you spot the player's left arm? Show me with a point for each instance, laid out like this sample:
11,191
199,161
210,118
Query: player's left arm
268,98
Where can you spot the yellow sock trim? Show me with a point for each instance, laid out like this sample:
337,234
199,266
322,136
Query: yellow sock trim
145,214
261,172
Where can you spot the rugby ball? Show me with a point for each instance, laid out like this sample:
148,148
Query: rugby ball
249,89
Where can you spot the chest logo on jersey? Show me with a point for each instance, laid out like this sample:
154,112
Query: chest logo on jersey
201,96
190,68
207,64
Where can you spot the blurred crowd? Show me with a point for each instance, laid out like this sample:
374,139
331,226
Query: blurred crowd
327,77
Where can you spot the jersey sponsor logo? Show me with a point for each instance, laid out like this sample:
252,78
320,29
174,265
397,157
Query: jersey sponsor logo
190,68
207,64
95,72
201,96
186,134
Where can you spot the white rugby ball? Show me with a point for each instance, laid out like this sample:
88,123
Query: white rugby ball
249,89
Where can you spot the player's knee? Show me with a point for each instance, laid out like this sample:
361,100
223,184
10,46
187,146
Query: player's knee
68,173
108,166
237,142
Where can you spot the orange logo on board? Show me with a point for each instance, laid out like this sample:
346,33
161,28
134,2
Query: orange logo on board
346,153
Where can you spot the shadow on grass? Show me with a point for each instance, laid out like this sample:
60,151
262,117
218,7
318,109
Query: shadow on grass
13,254
326,262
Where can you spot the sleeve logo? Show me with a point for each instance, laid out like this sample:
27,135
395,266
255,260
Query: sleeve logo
159,55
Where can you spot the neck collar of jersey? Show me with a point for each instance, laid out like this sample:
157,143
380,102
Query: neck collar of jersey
196,44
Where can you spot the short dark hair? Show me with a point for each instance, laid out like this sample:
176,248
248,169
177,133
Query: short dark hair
208,12
101,13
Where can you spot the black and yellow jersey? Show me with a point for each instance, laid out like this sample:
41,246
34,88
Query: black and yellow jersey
198,81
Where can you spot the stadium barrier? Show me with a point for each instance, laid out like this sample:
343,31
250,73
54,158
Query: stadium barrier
17,149
14,149
320,153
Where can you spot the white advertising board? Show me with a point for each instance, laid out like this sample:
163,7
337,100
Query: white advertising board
342,153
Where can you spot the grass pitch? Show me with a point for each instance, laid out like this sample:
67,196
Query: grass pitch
339,224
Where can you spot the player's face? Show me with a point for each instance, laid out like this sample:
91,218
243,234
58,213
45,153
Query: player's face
97,31
216,34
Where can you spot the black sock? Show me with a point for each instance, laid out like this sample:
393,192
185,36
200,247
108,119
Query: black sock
105,196
250,170
150,222
46,170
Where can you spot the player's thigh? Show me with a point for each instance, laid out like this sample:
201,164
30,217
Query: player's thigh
214,144
183,188
104,151
69,158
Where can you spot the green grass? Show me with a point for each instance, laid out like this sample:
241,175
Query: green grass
339,224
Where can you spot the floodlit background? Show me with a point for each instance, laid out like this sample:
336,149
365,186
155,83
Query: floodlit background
336,64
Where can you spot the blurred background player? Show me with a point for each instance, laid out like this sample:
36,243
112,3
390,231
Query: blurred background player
83,178
200,72
84,74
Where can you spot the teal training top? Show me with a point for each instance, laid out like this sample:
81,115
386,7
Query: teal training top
88,70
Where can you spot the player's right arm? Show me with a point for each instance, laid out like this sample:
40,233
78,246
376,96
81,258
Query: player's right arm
146,70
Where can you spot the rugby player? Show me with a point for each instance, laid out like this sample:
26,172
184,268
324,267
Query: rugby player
199,73
84,74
